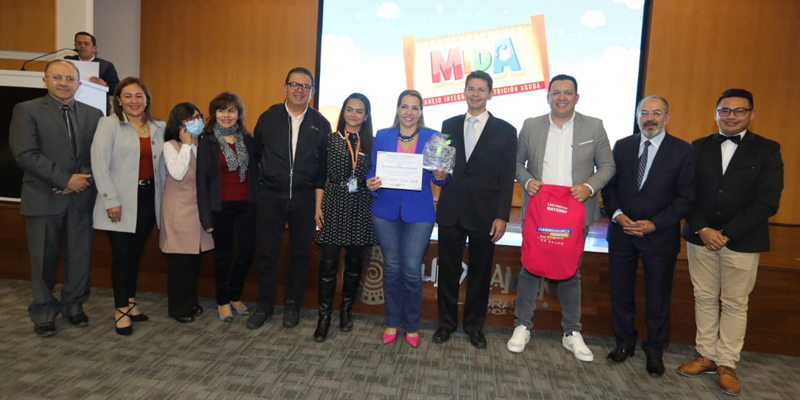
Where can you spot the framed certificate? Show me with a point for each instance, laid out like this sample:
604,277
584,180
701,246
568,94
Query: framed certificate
399,170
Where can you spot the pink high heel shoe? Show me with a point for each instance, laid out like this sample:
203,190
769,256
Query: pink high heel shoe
387,338
412,340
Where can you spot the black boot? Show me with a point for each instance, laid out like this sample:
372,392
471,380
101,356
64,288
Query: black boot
351,277
327,289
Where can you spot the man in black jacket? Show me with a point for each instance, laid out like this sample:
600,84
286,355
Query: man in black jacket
86,45
739,183
288,140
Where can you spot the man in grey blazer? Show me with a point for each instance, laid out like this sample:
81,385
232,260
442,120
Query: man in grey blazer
560,148
50,138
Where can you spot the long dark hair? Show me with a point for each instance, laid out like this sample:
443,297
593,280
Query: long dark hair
179,113
367,136
117,107
222,102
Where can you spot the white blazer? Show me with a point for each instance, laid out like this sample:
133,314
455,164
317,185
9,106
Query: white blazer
115,168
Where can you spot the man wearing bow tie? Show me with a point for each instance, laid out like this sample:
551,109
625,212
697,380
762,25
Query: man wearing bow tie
739,180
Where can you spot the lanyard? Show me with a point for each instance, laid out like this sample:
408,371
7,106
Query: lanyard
353,155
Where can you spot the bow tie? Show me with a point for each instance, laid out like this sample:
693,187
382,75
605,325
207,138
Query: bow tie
735,138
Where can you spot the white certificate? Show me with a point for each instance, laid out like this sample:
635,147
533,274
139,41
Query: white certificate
399,170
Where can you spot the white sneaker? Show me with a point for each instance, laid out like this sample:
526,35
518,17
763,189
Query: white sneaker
519,339
574,343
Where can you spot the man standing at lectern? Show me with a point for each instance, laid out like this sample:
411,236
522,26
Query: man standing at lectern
739,183
475,203
86,46
652,191
50,139
561,148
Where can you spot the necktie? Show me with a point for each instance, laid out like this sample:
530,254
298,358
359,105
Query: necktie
735,138
642,165
68,121
469,137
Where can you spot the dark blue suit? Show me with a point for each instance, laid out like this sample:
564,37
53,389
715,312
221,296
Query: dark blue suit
665,198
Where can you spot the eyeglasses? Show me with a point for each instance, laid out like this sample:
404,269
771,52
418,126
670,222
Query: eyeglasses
655,114
739,112
481,90
59,78
190,119
298,86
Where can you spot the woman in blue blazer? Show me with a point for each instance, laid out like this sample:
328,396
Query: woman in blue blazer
403,220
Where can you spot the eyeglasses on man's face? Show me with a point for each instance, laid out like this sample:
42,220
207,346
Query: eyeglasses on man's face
655,114
295,86
739,112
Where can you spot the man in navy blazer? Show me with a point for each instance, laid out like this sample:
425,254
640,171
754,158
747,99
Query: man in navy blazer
739,184
474,203
86,45
650,194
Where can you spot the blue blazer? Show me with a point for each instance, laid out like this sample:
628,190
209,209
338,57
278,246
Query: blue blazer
410,205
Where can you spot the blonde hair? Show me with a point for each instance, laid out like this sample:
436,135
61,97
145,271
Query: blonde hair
410,92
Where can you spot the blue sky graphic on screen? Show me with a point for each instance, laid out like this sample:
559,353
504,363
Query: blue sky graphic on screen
382,48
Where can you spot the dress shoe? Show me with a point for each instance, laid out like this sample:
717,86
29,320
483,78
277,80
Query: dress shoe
197,310
45,329
413,341
241,311
79,320
700,365
728,382
259,316
185,319
291,315
388,337
138,317
442,335
225,317
125,330
619,354
477,339
323,325
655,366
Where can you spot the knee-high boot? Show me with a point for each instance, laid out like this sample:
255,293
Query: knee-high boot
351,278
327,289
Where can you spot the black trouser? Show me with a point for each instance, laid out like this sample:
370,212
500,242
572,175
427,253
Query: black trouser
273,215
351,276
235,222
182,275
452,239
127,248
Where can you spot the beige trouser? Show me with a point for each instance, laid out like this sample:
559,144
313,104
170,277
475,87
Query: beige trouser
726,277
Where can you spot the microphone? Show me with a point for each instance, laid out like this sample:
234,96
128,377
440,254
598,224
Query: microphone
45,55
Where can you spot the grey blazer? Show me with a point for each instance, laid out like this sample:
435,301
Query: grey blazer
590,149
41,146
115,157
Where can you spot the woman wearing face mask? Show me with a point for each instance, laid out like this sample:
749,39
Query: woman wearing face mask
226,198
126,154
343,211
182,235
403,220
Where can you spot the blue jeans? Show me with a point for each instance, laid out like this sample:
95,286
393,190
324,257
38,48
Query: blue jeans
403,245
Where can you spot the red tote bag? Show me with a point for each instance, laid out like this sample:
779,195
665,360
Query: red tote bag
552,233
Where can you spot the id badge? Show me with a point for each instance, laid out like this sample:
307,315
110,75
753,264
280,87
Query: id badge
352,185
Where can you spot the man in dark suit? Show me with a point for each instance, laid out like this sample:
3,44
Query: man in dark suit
650,194
474,203
739,184
86,45
50,138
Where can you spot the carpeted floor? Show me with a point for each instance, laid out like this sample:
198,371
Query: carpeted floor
213,360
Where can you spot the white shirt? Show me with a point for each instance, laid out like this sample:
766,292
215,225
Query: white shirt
557,163
296,121
728,147
655,144
482,118
177,162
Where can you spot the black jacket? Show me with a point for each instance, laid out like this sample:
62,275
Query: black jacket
209,176
741,201
281,174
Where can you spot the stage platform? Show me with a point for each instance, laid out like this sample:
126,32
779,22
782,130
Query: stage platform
773,323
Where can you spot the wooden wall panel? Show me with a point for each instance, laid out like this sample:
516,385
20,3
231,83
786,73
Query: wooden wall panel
28,25
697,49
193,50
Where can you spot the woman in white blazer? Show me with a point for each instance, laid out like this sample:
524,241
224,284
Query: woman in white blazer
128,172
